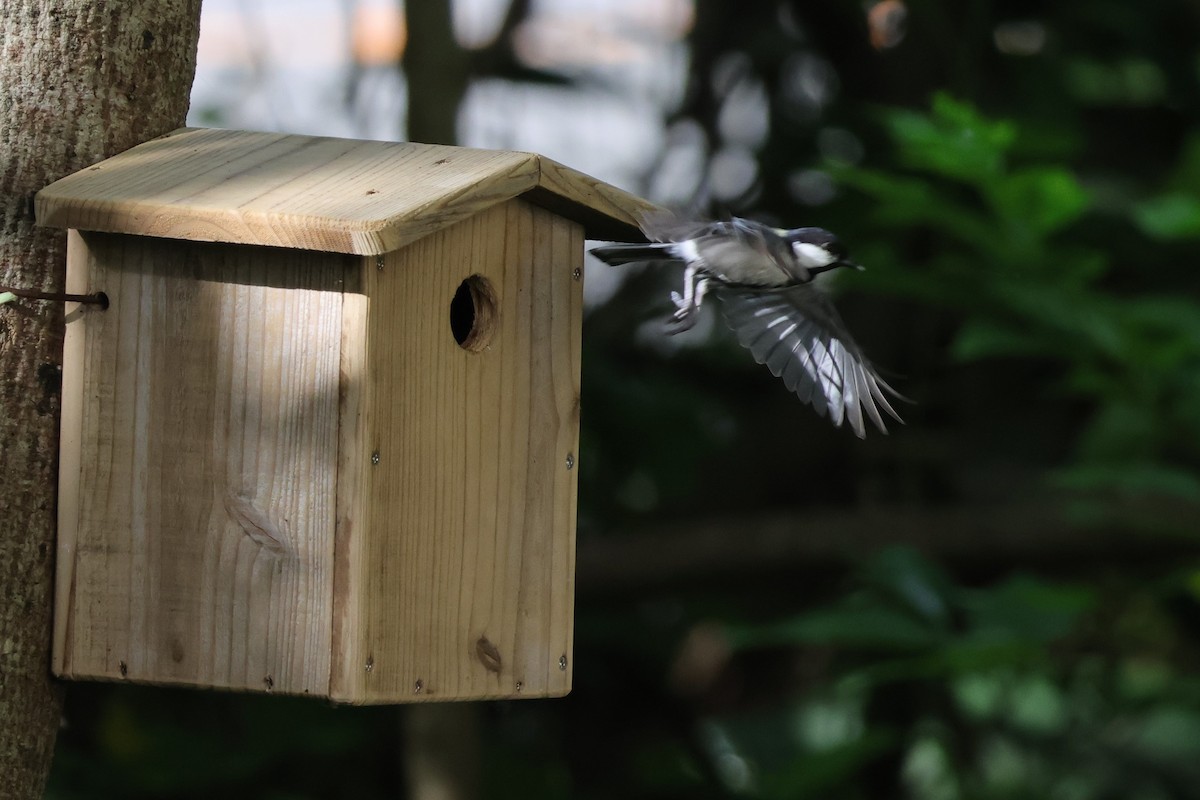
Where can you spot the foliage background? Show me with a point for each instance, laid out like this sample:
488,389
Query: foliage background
1001,599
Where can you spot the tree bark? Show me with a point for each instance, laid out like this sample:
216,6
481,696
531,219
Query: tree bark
80,80
436,70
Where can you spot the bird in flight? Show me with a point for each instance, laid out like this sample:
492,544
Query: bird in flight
764,279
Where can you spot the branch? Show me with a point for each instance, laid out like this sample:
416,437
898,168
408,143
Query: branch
975,539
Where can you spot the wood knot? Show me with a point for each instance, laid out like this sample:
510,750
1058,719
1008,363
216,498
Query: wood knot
488,654
257,526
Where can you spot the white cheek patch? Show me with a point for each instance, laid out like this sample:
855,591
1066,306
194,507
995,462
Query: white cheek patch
811,255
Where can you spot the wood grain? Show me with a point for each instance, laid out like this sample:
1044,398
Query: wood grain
199,465
457,580
318,193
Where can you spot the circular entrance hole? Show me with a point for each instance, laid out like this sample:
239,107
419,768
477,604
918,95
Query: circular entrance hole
473,313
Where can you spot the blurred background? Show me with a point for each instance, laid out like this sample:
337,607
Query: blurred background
1001,599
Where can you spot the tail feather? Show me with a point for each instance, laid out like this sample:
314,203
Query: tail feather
617,254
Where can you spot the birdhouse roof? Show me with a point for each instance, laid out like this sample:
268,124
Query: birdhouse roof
318,193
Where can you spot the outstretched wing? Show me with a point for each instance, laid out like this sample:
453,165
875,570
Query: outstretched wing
801,338
666,226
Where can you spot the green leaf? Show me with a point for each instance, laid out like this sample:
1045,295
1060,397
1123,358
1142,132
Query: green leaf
1169,733
1080,322
954,141
1043,198
1173,319
1123,430
980,339
1037,705
906,202
986,650
7,297
862,625
1131,479
1185,175
1169,216
919,586
1023,608
1128,82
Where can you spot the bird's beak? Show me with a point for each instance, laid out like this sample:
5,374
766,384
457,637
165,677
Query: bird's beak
854,265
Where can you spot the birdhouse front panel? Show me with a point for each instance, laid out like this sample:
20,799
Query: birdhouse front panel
323,439
467,556
202,412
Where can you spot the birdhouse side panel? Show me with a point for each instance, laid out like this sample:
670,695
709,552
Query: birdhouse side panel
201,418
467,555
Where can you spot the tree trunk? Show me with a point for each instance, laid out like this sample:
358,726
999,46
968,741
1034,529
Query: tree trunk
436,70
441,756
441,742
79,81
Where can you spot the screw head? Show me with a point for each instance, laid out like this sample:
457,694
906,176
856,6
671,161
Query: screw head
562,662
375,457
577,273
379,263
570,461
419,686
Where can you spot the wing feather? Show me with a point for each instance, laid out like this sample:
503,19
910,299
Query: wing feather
798,334
868,402
665,226
848,370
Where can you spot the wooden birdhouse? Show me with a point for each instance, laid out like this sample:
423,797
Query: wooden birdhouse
323,439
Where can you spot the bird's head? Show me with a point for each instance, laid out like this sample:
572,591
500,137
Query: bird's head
819,250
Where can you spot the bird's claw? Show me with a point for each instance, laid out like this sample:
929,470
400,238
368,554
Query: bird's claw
684,318
687,305
679,322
